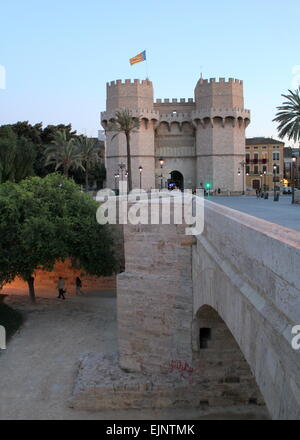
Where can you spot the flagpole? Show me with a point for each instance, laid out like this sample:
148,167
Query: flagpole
147,73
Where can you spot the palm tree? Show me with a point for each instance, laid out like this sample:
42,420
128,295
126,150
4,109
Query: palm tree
90,154
63,152
125,123
288,117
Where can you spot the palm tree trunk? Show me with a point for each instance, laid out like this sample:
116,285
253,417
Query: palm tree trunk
86,178
66,170
129,178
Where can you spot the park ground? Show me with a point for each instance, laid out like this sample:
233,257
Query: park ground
38,368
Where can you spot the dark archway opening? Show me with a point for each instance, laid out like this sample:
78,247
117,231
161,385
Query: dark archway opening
176,181
220,368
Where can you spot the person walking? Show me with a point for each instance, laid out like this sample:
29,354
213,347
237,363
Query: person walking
78,284
61,288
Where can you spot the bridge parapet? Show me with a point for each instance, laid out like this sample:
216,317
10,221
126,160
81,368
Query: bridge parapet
247,270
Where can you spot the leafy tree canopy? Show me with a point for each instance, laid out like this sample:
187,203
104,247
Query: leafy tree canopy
33,142
17,156
43,220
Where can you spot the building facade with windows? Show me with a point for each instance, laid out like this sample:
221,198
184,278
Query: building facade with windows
264,163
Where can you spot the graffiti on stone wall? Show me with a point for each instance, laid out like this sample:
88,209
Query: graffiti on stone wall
182,367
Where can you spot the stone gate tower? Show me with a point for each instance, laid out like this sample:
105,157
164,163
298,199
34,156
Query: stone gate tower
220,122
201,139
137,96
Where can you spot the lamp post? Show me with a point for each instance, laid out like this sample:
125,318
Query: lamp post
293,179
141,171
117,175
161,161
265,185
274,180
122,167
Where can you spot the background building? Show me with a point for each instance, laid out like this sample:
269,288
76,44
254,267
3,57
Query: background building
292,166
264,163
201,139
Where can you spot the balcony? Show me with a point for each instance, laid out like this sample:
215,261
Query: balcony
256,161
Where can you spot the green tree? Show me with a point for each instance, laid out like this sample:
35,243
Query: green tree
17,156
32,132
43,220
125,123
90,153
63,153
98,174
288,116
25,155
8,142
49,132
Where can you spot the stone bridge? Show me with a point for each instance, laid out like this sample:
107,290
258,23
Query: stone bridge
207,320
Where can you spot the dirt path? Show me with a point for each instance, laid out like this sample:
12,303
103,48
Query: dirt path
37,370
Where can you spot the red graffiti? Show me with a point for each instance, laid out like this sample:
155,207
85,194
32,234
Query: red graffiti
181,366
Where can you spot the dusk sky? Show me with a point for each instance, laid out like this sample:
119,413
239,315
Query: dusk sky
58,55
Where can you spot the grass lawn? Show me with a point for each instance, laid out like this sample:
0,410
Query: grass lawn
9,318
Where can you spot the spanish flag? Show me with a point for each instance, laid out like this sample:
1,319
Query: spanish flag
138,58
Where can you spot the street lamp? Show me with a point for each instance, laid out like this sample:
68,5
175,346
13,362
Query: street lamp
117,175
141,171
122,167
265,185
293,179
161,161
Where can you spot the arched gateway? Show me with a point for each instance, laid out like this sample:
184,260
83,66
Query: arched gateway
176,180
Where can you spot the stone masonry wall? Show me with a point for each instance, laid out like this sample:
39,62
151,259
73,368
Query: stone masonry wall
155,298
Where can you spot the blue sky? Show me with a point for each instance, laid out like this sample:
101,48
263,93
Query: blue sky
58,55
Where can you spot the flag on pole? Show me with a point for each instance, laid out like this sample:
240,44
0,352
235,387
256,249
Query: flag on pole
138,58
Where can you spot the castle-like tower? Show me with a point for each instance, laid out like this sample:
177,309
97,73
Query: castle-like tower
201,140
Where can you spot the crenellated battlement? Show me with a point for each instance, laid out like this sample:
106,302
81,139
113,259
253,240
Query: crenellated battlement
175,101
220,81
126,82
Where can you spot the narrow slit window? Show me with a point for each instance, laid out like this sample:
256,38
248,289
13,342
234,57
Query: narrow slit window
204,336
